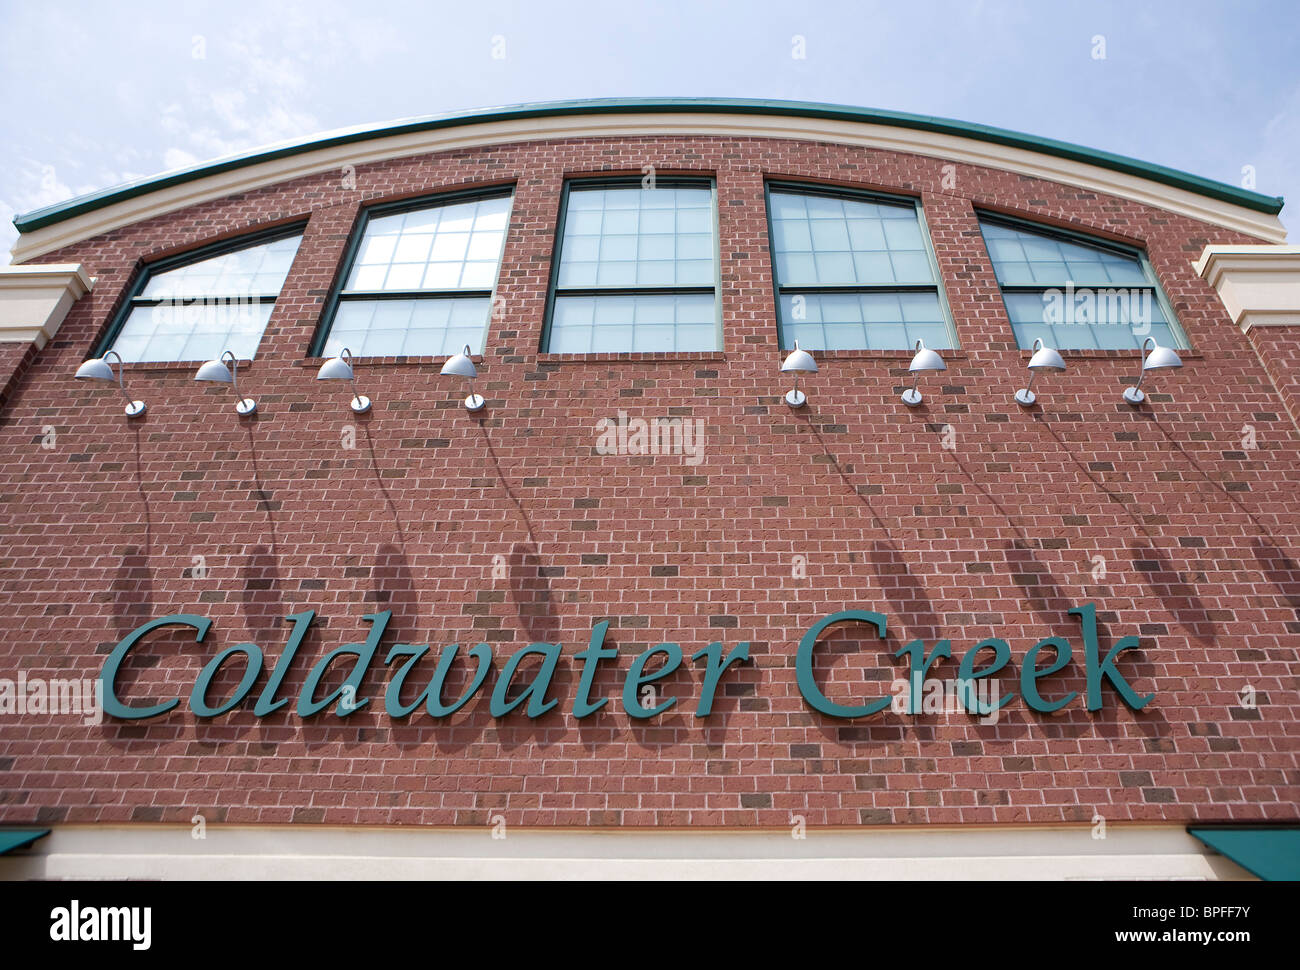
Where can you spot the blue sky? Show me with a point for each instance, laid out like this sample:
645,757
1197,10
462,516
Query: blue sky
99,93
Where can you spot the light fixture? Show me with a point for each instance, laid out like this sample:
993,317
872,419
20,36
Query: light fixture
461,366
1044,358
217,372
798,362
925,360
340,369
1160,358
99,369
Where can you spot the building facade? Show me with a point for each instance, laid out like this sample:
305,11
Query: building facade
696,630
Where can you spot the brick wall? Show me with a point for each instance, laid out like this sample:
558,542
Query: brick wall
1199,537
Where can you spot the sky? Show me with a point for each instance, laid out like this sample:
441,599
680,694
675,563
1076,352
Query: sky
96,94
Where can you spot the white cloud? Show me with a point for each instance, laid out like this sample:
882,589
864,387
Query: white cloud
178,158
33,186
1278,169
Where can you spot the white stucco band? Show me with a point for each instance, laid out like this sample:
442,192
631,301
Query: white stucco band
140,851
35,299
1260,285
942,147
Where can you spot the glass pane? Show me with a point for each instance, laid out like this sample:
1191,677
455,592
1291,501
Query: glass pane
409,328
1023,257
1109,318
195,331
454,246
633,237
254,271
863,321
636,323
818,240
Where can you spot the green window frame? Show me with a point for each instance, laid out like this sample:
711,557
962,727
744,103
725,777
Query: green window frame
241,313
591,316
1043,298
882,303
422,321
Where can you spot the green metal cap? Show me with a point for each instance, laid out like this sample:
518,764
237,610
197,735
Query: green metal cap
1209,188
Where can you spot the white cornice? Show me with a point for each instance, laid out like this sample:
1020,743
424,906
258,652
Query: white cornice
35,299
943,147
1259,285
893,852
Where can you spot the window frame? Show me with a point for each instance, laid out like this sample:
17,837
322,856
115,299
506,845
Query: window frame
147,271
1081,238
855,195
338,292
625,182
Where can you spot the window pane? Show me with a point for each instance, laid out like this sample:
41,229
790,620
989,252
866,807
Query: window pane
194,331
1021,257
1111,318
633,237
255,271
817,240
635,323
863,321
409,328
453,246
1111,305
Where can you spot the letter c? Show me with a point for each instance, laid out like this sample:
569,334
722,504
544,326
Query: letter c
803,665
114,707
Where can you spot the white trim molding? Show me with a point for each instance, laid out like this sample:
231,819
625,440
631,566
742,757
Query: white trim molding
1260,285
35,299
1135,851
941,146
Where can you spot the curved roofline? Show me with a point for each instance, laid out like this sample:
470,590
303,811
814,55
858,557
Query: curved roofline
1221,191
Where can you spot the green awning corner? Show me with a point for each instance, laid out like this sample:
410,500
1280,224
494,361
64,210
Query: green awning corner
11,839
1271,852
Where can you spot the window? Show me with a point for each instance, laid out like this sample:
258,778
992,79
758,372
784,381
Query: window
853,272
421,279
636,269
196,306
1077,293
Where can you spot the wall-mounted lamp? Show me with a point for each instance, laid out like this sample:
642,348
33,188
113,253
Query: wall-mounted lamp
1045,358
461,366
340,369
798,362
1160,358
925,360
217,372
99,369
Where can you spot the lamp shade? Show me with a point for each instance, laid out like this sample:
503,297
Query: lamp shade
219,372
97,369
339,368
460,365
335,369
1160,358
926,359
1045,358
799,360
101,370
214,370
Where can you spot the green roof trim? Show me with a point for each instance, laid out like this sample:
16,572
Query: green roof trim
11,839
1223,192
1271,852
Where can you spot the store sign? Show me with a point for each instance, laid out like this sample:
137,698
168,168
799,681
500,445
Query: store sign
531,689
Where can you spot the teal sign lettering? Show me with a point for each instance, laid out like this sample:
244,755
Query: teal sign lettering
648,690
